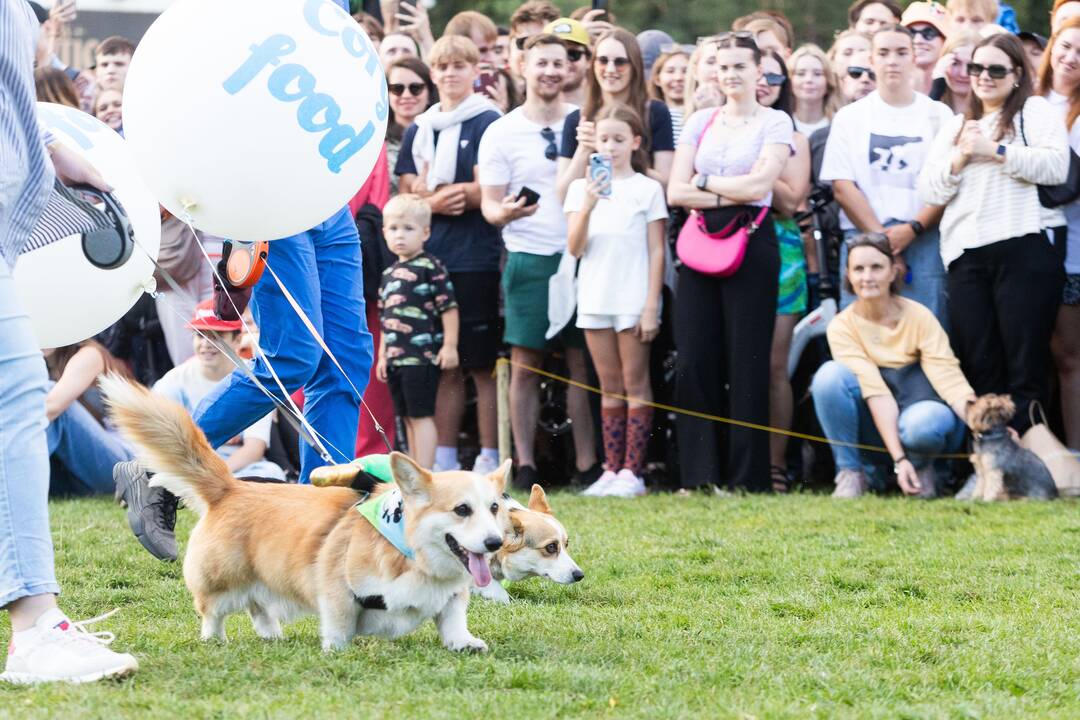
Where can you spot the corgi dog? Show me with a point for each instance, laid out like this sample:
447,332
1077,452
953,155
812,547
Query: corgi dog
537,546
279,551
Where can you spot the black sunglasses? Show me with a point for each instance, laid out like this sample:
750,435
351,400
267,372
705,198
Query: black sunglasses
520,41
398,89
736,34
550,152
774,79
575,54
927,33
618,62
996,71
855,72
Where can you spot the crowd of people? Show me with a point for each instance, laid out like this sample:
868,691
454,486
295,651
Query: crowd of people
565,190
926,130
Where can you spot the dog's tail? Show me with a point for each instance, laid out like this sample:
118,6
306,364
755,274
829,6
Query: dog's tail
170,444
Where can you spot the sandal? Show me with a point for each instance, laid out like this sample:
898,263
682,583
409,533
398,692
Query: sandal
781,481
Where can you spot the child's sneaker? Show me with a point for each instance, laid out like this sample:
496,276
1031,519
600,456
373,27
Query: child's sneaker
59,650
626,484
600,487
485,465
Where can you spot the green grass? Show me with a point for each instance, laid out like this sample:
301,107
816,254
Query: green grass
691,607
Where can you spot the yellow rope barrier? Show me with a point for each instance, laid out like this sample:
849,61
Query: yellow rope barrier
707,416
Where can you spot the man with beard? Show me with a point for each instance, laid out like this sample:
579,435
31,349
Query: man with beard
520,151
576,38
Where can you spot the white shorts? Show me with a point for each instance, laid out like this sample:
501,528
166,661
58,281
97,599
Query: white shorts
618,323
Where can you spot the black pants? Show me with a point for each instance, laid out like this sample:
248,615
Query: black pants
1003,302
723,333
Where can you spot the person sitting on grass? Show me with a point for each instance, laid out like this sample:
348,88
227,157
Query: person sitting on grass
893,366
192,380
419,318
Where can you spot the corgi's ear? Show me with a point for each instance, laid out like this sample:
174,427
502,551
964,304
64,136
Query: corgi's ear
498,476
515,522
538,500
414,481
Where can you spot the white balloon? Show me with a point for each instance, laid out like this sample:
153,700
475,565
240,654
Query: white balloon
69,299
261,119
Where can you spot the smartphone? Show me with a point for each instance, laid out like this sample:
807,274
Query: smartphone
531,196
485,80
599,4
600,169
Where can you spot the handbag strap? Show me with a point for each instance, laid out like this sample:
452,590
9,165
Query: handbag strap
1032,407
704,130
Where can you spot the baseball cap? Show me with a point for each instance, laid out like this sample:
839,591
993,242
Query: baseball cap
205,319
569,30
652,43
931,13
1034,37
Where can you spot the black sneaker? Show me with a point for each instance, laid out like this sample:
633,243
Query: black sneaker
524,478
151,511
585,478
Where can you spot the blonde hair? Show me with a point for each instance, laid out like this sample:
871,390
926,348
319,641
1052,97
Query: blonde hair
468,22
987,8
449,48
690,106
831,101
408,206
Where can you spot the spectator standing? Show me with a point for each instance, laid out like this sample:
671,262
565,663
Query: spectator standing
929,24
667,83
438,160
411,93
54,86
869,16
578,57
702,82
1059,82
616,227
984,168
1034,46
952,85
108,108
618,76
813,88
849,57
1062,11
112,57
520,150
396,46
528,20
875,151
972,15
727,164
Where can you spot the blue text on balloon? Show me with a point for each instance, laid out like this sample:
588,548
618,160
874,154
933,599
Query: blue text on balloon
75,124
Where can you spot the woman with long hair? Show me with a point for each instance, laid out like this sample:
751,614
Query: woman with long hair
726,167
54,86
1005,278
668,85
952,84
702,85
617,76
814,89
411,93
1059,82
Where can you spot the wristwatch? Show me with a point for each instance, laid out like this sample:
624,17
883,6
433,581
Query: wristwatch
917,227
702,181
896,464
1001,150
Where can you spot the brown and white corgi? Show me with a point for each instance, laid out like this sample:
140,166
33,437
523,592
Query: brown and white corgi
280,551
537,546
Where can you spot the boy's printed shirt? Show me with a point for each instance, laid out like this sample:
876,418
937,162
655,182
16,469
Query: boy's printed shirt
412,297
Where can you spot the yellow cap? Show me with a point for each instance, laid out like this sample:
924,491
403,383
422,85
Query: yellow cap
569,30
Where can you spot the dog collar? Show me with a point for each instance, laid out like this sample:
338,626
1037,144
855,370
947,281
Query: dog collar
386,513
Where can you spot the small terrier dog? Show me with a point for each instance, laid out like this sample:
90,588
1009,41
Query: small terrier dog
1004,470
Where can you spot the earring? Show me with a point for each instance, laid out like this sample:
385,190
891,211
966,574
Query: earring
1016,85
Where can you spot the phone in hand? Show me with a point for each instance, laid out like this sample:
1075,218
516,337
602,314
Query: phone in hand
600,170
531,196
484,80
599,4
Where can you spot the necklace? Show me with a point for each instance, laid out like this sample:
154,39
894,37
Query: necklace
743,123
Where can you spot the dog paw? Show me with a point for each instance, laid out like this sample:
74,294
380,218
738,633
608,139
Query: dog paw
494,592
471,644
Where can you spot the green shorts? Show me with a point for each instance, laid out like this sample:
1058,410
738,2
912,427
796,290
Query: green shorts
525,301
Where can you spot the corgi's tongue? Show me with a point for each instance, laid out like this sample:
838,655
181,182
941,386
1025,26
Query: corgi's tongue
478,568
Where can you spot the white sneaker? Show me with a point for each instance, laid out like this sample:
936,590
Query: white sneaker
58,650
599,488
850,484
485,465
439,468
626,484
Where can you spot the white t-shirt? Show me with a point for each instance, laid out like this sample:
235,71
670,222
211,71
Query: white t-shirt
512,154
187,385
1072,210
882,148
613,277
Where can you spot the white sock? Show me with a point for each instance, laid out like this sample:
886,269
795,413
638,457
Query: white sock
47,620
490,453
446,457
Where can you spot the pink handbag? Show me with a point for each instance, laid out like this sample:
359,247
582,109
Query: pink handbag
720,253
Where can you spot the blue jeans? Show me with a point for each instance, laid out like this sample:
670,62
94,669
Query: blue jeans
926,272
87,450
26,551
927,428
322,270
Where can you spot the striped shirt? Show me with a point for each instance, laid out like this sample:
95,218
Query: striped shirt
26,173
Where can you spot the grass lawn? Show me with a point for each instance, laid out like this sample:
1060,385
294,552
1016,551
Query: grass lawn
691,607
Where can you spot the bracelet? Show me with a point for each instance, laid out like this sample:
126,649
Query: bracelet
899,460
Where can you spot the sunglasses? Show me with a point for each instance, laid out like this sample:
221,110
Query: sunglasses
575,54
736,34
774,79
520,41
550,152
927,33
398,89
855,72
996,72
618,62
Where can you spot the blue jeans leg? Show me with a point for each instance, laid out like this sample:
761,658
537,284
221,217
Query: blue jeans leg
929,428
87,449
26,550
844,416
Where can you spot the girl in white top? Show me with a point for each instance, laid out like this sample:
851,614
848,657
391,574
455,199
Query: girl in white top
813,85
1005,277
620,240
